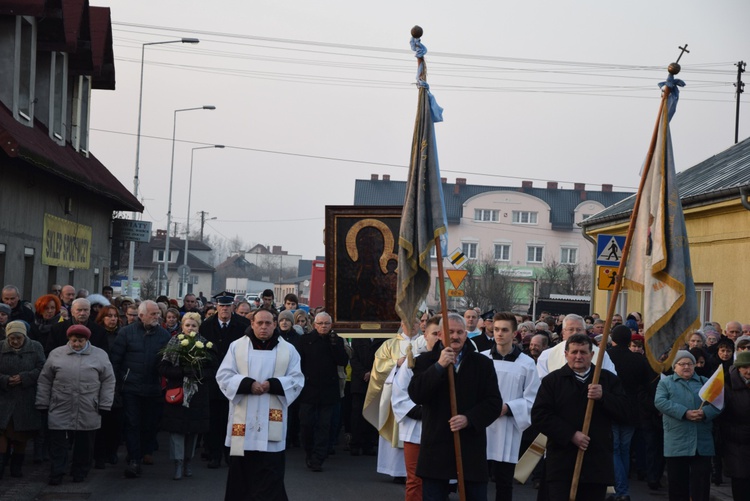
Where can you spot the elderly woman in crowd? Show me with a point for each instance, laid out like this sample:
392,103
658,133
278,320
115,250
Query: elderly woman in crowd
172,321
76,384
184,421
696,340
21,360
688,440
735,427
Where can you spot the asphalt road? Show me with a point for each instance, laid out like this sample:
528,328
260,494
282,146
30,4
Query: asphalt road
343,478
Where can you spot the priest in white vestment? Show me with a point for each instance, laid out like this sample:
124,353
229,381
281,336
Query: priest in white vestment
261,377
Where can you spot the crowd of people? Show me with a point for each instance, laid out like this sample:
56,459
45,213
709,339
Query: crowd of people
82,374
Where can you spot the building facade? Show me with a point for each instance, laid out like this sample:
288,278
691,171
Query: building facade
56,199
519,230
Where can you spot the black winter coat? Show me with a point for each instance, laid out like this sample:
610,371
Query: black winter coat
559,411
635,374
135,358
478,398
195,418
320,360
363,357
211,330
734,427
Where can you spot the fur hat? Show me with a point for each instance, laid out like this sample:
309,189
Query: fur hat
680,355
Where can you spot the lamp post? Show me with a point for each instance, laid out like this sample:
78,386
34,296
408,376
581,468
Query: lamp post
187,222
171,182
136,180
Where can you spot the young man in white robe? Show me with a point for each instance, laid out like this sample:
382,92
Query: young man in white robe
518,382
409,415
261,377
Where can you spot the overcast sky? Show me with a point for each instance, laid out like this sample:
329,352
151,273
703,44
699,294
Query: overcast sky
313,95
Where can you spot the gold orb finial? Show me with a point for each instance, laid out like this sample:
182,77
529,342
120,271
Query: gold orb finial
417,32
673,68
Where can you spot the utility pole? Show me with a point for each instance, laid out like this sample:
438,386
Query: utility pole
740,86
203,222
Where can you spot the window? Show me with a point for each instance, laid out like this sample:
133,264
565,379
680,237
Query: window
433,252
160,256
58,96
568,255
486,215
502,252
704,292
534,254
79,130
24,70
524,217
469,249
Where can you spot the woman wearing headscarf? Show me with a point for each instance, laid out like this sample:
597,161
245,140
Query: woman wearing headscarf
688,439
21,360
76,384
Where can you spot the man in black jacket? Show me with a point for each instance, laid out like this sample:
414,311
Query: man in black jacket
135,357
635,374
478,403
221,329
321,352
559,412
80,313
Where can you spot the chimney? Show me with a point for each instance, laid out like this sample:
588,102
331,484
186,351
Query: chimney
386,177
373,177
443,180
527,184
551,185
607,188
161,233
276,249
461,180
579,186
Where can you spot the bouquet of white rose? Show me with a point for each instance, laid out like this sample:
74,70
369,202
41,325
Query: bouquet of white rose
190,352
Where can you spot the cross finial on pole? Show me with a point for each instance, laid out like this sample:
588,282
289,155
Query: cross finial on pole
683,50
674,68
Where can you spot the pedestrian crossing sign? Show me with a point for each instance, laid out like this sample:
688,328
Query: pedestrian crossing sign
609,250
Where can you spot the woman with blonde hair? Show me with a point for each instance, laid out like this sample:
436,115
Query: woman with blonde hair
190,417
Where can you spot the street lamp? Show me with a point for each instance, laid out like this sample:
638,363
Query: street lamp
131,257
187,222
171,182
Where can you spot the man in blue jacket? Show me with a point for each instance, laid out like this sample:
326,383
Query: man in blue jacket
135,357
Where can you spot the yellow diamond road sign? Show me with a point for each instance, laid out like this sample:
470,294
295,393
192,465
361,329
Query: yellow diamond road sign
458,258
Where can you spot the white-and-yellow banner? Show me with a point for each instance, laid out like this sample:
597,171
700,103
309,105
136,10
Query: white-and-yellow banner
65,243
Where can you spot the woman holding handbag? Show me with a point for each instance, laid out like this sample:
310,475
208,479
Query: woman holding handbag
188,360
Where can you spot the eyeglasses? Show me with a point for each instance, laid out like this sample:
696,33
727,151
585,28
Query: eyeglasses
685,364
322,323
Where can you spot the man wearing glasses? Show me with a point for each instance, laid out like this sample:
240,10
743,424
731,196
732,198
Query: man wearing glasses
321,352
554,358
